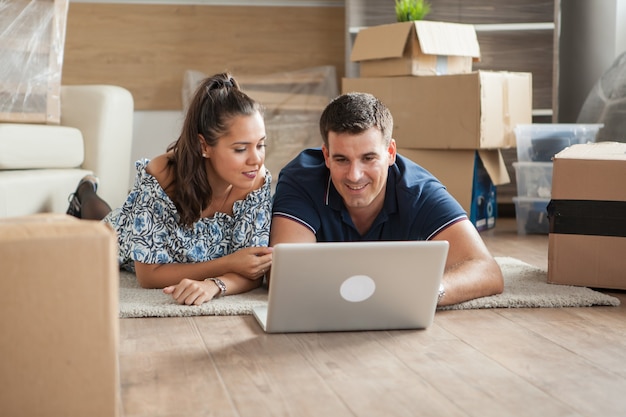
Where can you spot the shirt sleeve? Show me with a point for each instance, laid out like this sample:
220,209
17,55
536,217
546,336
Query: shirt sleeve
148,221
439,210
147,225
300,196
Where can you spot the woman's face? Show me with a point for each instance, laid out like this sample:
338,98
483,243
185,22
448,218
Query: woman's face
238,156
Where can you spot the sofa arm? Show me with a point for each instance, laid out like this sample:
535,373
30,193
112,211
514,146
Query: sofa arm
104,114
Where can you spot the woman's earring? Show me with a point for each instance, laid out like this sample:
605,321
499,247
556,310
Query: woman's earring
204,155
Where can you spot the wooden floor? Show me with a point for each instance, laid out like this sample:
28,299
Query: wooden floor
494,362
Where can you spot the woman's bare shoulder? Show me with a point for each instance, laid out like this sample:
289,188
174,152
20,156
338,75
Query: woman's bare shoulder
159,168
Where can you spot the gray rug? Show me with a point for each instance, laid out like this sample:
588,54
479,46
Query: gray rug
524,286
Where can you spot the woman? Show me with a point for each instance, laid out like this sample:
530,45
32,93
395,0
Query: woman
196,221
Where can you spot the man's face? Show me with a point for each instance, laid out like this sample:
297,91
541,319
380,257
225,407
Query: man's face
359,166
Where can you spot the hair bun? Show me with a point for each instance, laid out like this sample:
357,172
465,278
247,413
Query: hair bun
221,83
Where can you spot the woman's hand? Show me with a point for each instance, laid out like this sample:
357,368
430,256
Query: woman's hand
192,292
251,263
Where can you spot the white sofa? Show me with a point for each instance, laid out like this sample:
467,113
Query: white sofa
40,165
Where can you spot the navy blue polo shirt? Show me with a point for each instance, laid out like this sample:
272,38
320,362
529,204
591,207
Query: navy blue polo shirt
417,206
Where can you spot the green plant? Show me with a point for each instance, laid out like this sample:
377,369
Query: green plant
408,10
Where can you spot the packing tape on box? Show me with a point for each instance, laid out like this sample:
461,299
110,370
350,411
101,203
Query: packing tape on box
588,217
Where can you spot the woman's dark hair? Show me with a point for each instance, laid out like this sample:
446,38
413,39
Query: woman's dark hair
355,113
217,100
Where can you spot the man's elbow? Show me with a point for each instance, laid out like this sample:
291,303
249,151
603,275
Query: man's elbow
497,280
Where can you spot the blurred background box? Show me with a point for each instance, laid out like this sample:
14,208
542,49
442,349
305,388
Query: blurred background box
461,111
420,47
471,176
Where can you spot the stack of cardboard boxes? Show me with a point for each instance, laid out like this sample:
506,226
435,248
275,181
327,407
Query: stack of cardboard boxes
449,119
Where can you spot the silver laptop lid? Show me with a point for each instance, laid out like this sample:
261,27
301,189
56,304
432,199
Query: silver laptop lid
347,286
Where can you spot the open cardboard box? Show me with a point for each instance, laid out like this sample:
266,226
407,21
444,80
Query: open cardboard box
587,238
478,110
415,48
470,176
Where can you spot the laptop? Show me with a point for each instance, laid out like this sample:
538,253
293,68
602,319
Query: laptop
353,286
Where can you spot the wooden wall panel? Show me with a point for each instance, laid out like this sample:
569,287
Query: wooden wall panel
147,48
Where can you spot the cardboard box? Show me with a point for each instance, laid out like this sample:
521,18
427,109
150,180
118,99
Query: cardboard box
415,48
59,317
470,176
464,111
587,238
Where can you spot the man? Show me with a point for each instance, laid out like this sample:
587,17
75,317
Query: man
356,188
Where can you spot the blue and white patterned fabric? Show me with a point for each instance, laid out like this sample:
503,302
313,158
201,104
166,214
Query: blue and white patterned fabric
148,230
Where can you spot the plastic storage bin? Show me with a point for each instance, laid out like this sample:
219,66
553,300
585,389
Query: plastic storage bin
531,215
540,142
534,179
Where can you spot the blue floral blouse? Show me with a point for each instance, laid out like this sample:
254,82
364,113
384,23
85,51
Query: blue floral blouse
148,230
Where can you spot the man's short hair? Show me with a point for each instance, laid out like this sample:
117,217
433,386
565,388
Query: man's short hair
355,113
